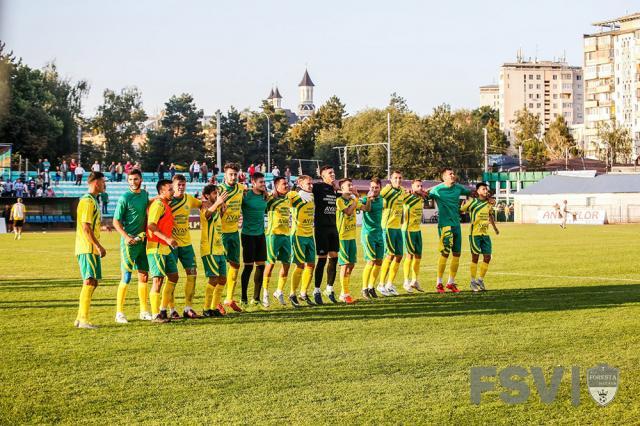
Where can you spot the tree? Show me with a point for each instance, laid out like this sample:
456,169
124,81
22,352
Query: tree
527,130
235,137
496,139
120,119
616,143
485,114
558,139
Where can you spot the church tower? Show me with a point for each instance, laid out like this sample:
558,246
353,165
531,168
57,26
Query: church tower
275,98
306,106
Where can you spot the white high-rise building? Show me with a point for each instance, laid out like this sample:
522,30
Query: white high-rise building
612,80
490,96
547,89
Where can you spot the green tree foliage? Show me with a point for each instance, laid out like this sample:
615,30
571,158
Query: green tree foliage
558,140
527,133
120,118
616,143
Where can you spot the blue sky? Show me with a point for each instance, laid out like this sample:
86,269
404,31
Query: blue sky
231,52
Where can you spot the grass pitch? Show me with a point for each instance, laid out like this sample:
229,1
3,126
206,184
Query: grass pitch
557,298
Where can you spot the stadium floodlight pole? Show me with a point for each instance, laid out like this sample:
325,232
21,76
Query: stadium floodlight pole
389,145
218,143
486,151
79,143
268,142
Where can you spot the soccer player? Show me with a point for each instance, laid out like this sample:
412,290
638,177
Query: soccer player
302,243
230,234
129,219
18,213
480,212
212,250
393,196
181,205
159,245
412,236
89,251
254,243
326,233
278,240
371,238
346,206
447,197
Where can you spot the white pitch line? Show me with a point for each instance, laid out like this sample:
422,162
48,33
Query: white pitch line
566,276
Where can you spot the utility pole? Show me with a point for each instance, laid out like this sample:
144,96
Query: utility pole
268,142
486,151
345,162
218,143
388,145
79,143
520,157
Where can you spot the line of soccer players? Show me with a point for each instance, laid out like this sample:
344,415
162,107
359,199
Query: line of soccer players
311,227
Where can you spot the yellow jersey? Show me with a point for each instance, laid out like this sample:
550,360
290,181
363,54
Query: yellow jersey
345,223
181,209
412,213
278,210
156,211
392,209
302,211
87,212
231,216
479,212
211,234
18,211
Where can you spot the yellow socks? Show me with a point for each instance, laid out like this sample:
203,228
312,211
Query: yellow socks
375,271
154,297
384,270
344,281
232,277
453,268
265,282
208,295
281,282
366,274
295,279
167,296
122,294
217,296
442,264
306,279
143,296
474,270
406,268
415,268
393,271
85,302
189,290
483,270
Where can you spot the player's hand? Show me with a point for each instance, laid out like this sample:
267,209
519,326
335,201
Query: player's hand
497,231
130,240
172,243
102,251
370,194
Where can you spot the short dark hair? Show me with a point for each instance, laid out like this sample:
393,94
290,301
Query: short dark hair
278,179
161,183
256,176
416,180
445,169
232,166
396,172
376,180
93,176
136,172
178,177
341,181
209,188
325,167
480,185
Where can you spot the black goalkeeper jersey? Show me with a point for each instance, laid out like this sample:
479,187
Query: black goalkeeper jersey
324,196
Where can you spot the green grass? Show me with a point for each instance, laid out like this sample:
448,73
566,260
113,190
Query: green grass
557,298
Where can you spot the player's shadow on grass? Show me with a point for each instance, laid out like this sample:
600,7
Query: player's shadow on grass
45,284
466,303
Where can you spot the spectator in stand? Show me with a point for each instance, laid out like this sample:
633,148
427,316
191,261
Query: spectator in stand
127,168
216,170
46,165
58,176
191,167
287,174
213,179
64,169
79,172
275,171
31,187
104,202
50,193
161,170
137,166
72,168
112,170
196,171
18,188
172,170
9,188
95,167
204,171
242,177
40,166
39,192
252,170
46,180
119,171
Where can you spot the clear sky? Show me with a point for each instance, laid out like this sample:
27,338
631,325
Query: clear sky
231,52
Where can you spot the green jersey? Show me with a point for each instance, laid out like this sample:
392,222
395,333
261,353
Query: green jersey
448,200
131,211
372,220
253,209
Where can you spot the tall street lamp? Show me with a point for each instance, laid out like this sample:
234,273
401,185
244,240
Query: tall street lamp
268,142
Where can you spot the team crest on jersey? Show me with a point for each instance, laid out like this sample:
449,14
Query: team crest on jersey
602,382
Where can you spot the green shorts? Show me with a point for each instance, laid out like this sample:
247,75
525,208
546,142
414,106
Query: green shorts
348,253
90,266
450,239
393,242
231,242
303,249
133,257
187,257
278,249
161,264
480,244
373,246
214,265
413,242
